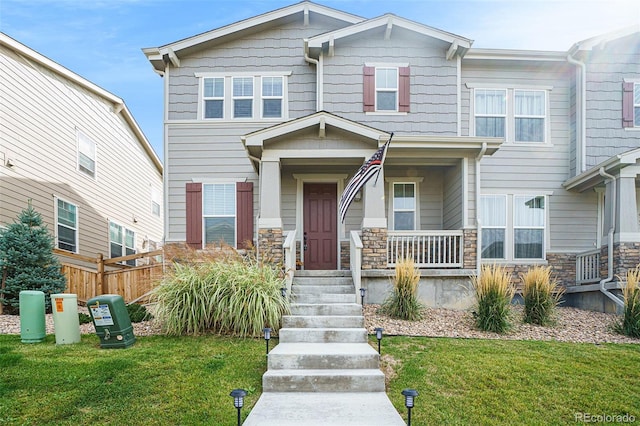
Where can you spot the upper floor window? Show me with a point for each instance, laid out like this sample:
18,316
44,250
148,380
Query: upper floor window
66,226
630,104
86,155
219,213
272,97
213,97
491,112
529,114
122,242
242,97
386,89
636,105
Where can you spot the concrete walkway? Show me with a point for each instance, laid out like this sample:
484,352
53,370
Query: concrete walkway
323,371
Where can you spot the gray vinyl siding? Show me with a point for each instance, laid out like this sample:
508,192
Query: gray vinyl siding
606,70
40,114
452,212
573,130
433,94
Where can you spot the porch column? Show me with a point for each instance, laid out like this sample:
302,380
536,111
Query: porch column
626,248
374,225
270,220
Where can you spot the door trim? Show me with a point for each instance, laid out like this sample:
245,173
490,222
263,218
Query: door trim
301,179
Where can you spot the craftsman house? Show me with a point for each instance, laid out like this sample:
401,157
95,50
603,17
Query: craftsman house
76,153
514,157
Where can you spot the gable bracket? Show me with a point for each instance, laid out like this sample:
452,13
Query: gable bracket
387,33
331,46
306,15
322,133
173,58
452,50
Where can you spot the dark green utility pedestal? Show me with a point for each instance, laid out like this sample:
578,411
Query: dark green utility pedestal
111,321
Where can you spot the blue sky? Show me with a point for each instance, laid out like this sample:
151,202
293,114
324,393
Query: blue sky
101,40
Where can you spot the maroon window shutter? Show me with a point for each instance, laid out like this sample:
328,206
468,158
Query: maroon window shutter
403,89
194,215
244,212
627,104
369,89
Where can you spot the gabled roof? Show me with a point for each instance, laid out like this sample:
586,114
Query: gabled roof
172,51
118,104
602,40
458,44
593,177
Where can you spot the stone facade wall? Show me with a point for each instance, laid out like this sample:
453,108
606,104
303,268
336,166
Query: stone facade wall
625,256
345,259
374,248
563,267
470,250
270,245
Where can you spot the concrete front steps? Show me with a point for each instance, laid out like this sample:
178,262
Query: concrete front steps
323,370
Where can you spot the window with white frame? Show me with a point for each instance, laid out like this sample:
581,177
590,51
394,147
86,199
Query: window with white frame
493,214
491,112
66,226
219,213
404,206
156,199
213,97
530,115
386,89
636,104
86,155
242,97
122,242
528,226
272,97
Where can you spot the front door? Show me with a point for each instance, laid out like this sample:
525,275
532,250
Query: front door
320,226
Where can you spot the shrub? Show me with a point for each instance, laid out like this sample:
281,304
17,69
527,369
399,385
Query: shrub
630,323
138,313
231,295
541,295
84,318
493,292
403,302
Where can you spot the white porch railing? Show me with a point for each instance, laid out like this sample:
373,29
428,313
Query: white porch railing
289,247
355,246
588,267
428,249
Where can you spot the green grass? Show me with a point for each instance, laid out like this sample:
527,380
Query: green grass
186,380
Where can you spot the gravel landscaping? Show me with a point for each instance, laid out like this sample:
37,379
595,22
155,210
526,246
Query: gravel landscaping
572,325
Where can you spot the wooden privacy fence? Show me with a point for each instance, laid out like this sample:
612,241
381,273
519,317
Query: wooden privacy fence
132,283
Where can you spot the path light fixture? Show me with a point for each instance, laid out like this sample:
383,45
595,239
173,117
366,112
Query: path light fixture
362,292
267,337
283,292
378,331
409,395
238,401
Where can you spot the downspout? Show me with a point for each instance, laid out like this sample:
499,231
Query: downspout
609,278
583,113
310,60
483,150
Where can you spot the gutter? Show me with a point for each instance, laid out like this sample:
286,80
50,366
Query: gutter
609,278
583,112
478,221
310,60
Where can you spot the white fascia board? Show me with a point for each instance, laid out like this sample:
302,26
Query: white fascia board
516,55
603,39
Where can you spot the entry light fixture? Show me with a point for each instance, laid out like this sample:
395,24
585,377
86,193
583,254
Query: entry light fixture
267,337
409,396
378,331
238,401
362,292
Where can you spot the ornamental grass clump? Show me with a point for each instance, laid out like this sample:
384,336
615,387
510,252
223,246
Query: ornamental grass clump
232,295
541,295
629,325
403,302
493,291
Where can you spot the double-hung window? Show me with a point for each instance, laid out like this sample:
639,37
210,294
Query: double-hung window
219,213
528,227
213,96
66,226
404,206
242,97
272,97
490,112
494,221
529,114
86,155
636,104
386,89
122,242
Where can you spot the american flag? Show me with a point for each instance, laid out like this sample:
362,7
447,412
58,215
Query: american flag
366,172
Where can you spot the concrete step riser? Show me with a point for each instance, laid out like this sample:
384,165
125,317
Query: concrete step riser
305,281
323,274
324,298
319,335
323,289
321,309
327,321
307,381
319,362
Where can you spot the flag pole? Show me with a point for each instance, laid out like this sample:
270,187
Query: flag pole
384,155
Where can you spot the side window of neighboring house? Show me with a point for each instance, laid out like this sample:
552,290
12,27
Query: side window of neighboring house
86,155
122,242
630,104
66,226
213,97
242,97
386,89
490,112
404,206
272,97
493,214
156,200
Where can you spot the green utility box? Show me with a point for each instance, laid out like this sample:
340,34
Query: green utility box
111,321
32,319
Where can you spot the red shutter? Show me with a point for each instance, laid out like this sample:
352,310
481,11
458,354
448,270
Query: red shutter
244,214
369,89
627,104
403,89
194,215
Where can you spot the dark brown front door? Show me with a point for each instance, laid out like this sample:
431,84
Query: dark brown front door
320,226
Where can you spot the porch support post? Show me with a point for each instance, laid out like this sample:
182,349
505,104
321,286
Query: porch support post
626,248
270,221
374,225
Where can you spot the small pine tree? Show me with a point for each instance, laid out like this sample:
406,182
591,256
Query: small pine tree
27,261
